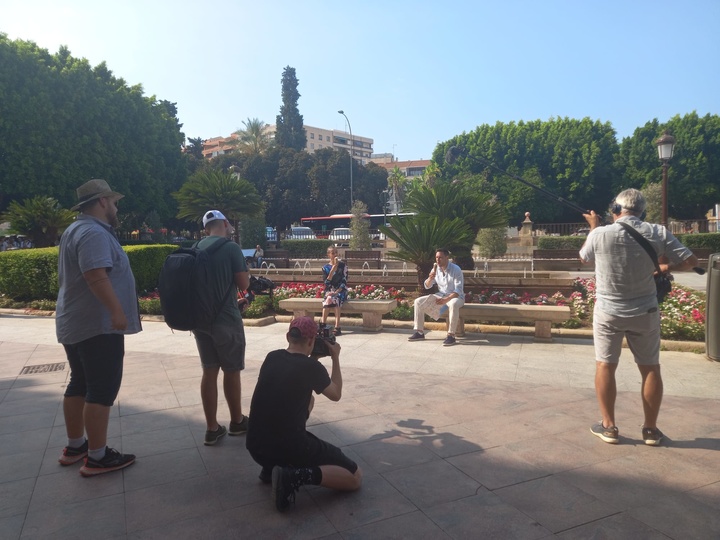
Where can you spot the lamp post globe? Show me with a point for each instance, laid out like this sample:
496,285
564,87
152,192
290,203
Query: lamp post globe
666,148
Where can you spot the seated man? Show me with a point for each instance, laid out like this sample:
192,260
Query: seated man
277,439
450,296
258,256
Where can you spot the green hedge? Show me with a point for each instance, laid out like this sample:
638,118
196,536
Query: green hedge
560,242
31,274
709,241
306,249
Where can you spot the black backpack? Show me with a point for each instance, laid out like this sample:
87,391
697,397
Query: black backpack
187,296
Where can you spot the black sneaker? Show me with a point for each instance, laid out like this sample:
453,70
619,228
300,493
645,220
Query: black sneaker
240,428
449,341
112,461
283,490
652,436
72,455
608,434
211,437
337,331
417,336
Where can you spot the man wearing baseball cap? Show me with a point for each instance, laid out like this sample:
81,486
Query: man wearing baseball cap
223,346
277,437
97,306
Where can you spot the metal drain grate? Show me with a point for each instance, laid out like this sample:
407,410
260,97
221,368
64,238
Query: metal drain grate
43,368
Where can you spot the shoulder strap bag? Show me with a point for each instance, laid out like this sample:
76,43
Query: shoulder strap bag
663,281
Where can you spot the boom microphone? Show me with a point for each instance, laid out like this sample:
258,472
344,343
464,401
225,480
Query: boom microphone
453,152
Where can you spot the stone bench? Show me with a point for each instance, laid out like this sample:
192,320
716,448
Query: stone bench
542,316
371,310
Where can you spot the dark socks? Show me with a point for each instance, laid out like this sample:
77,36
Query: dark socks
307,475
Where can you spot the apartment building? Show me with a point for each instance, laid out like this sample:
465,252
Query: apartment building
317,138
408,168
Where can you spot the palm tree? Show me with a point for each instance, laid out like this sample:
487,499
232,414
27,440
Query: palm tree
396,182
447,215
255,138
233,196
418,237
41,219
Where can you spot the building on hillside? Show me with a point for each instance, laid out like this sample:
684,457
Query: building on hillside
317,139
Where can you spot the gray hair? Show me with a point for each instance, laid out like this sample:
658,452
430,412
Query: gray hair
631,200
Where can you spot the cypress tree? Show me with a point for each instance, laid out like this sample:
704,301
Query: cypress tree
290,132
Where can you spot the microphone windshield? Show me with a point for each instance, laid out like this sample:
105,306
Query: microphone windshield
452,154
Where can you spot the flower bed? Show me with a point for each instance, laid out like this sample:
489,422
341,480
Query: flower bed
682,315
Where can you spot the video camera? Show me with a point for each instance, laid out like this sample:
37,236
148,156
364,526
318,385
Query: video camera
258,285
323,337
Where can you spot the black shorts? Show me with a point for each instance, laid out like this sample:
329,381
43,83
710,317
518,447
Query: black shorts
313,452
96,368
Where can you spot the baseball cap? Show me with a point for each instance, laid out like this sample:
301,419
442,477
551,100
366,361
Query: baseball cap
304,327
212,215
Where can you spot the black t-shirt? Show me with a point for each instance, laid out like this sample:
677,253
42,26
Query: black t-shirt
279,407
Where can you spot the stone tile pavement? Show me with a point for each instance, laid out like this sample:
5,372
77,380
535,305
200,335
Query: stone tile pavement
487,439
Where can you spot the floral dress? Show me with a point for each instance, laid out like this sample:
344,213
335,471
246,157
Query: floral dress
335,292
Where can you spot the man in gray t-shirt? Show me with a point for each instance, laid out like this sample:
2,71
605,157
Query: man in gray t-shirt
626,306
97,305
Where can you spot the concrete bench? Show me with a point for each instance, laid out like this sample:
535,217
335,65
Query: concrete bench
542,316
371,310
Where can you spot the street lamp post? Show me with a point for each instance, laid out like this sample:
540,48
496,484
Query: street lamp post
351,155
666,147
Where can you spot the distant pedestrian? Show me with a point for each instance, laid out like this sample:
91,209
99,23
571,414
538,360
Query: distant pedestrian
627,306
450,297
97,305
223,346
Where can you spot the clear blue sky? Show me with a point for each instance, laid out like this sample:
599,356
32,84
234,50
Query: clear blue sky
409,74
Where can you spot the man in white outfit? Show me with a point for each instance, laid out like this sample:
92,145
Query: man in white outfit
449,298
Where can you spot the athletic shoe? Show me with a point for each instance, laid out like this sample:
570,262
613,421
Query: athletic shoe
112,461
450,340
283,490
607,434
652,436
337,331
72,455
265,475
417,336
239,428
211,437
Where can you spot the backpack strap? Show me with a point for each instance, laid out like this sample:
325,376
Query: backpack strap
643,243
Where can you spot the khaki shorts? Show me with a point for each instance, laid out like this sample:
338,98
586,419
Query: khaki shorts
223,347
642,333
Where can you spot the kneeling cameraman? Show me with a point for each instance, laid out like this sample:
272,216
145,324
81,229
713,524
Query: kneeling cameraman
277,438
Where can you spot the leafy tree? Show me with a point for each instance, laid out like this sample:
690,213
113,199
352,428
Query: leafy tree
195,147
653,199
232,195
492,242
359,227
254,139
290,132
64,122
574,159
41,219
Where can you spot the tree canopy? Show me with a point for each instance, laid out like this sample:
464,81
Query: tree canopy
63,122
290,132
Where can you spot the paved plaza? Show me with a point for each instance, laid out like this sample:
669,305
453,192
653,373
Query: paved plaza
487,439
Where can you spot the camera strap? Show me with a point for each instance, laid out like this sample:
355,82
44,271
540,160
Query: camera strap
643,243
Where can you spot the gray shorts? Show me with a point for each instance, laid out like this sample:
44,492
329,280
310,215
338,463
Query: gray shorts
223,347
642,333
